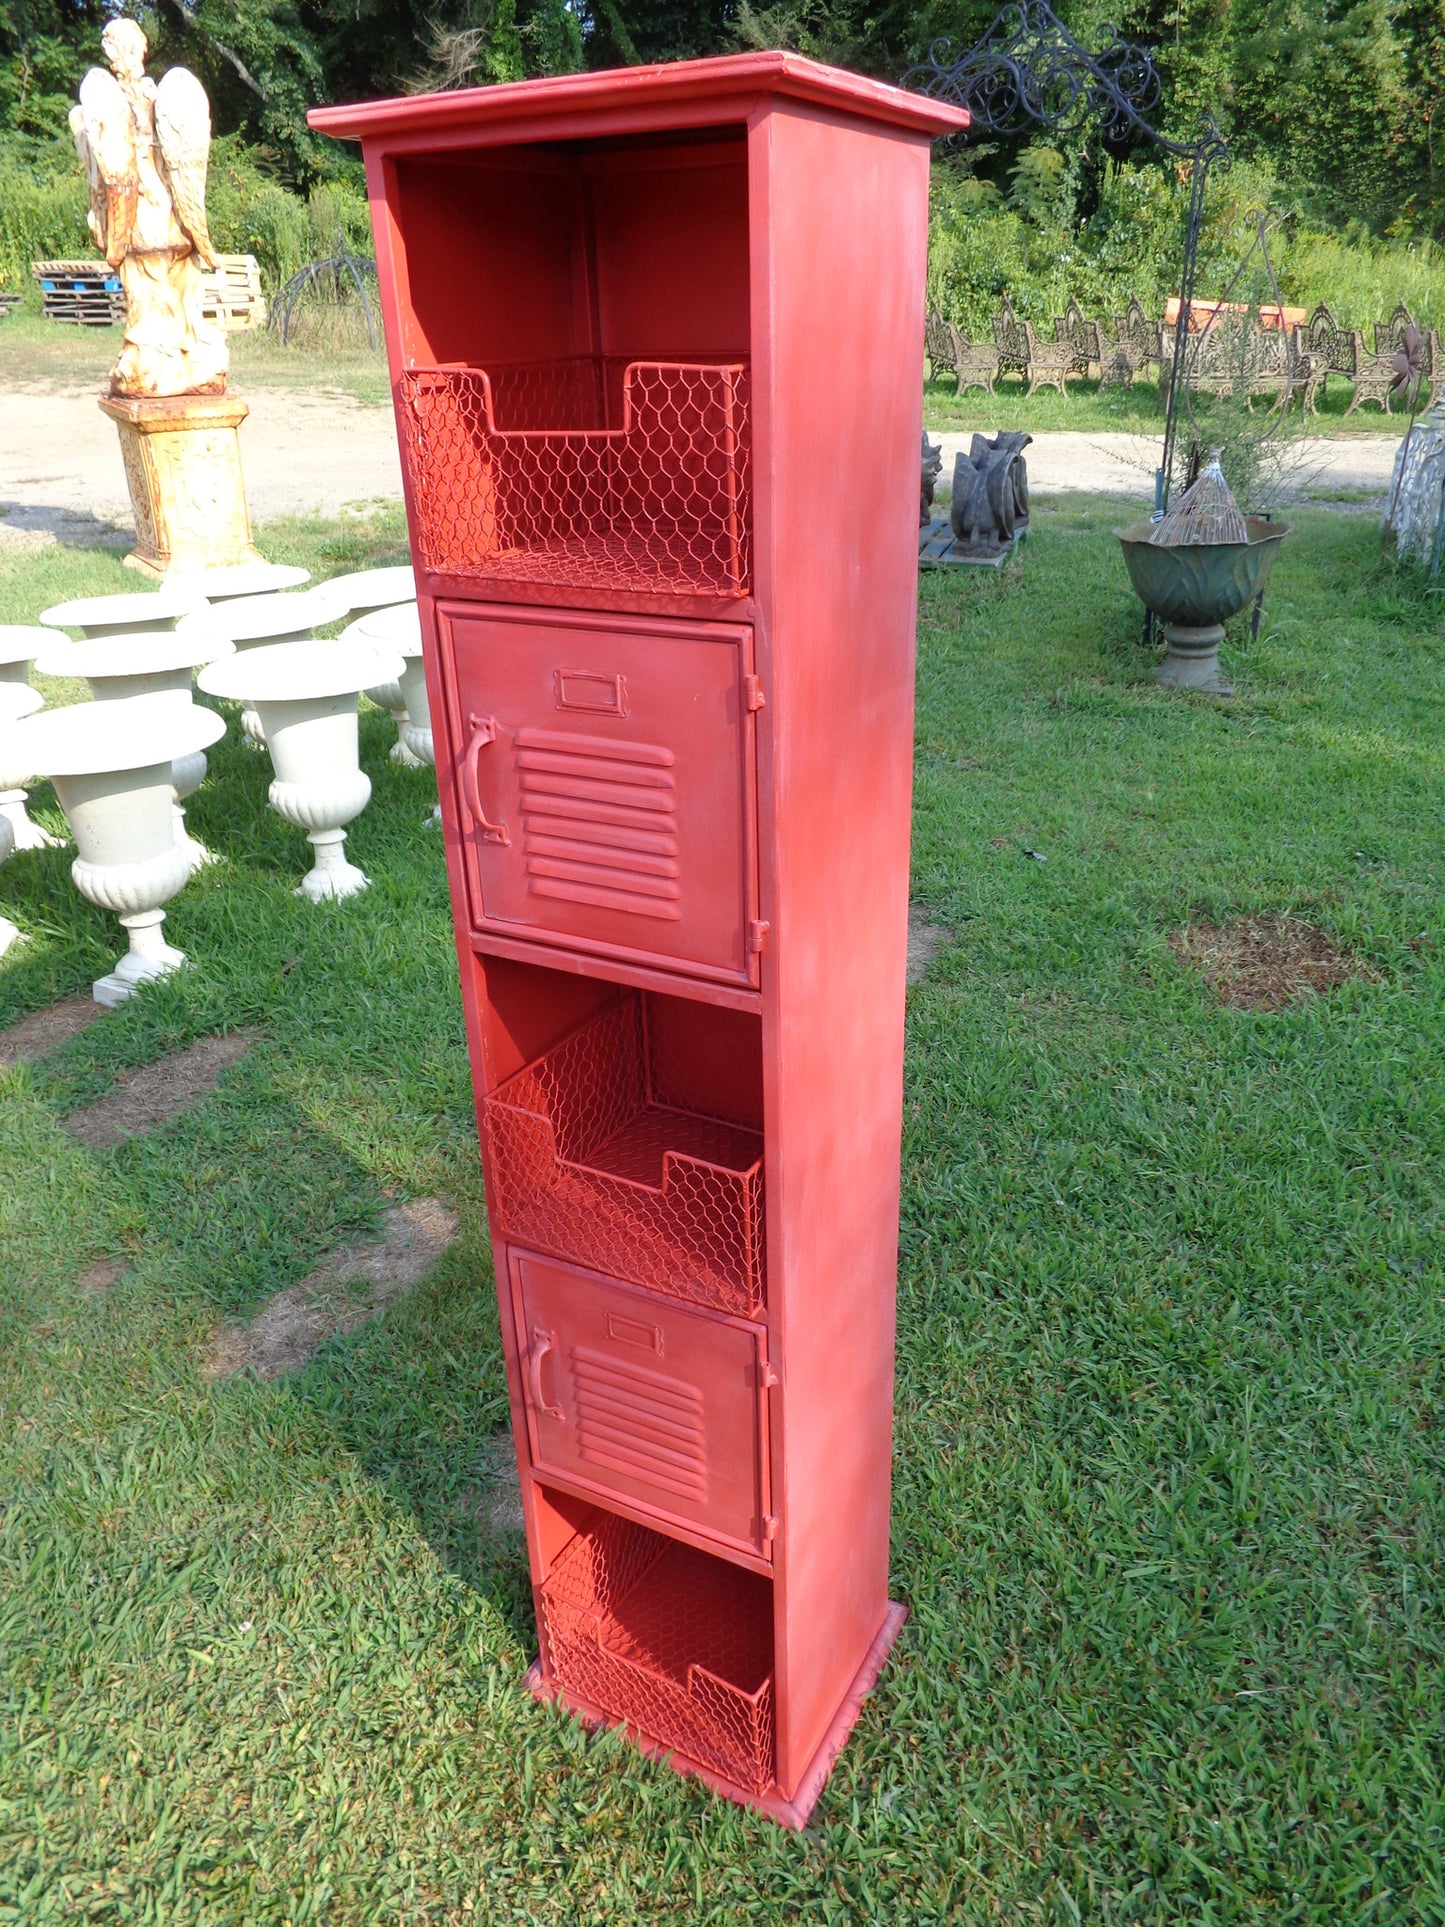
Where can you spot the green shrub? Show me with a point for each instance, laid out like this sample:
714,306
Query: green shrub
43,203
252,213
1361,278
1029,249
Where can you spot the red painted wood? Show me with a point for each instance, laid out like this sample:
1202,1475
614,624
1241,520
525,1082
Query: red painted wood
681,93
834,803
765,214
632,1397
605,777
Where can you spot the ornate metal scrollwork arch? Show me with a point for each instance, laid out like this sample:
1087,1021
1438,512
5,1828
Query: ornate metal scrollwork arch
1029,71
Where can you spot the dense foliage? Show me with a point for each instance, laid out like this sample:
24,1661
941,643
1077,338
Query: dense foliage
1029,241
1330,106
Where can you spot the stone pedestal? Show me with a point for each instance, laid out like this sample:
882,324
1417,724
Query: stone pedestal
182,457
1191,659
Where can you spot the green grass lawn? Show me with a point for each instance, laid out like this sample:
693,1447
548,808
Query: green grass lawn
1169,1467
1139,410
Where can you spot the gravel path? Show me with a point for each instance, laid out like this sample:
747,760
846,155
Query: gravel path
302,451
309,450
1114,464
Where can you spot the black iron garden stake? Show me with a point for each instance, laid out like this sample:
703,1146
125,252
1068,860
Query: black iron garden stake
1028,70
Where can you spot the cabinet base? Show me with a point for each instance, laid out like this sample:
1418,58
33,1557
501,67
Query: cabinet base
793,1813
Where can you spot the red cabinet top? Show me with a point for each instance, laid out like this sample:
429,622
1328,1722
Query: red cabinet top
691,92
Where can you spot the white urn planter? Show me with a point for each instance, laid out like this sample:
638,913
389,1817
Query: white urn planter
20,644
119,615
399,628
369,589
18,699
246,579
112,768
117,667
305,694
257,622
9,932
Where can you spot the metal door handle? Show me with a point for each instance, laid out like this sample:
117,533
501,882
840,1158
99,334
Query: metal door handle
484,731
542,1343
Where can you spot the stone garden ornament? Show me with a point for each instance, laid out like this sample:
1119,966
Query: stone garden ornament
365,593
145,146
990,507
399,628
253,622
1198,565
9,932
1416,509
123,615
930,470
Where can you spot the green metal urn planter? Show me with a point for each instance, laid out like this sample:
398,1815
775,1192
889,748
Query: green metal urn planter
1194,588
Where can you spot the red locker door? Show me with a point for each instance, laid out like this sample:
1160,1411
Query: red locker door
605,781
631,1395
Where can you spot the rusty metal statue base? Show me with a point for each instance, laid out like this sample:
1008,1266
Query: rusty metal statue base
182,456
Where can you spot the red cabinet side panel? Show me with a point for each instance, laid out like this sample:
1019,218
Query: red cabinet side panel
838,279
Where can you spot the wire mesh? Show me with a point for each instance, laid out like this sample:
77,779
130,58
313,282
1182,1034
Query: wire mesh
589,472
589,1165
673,1642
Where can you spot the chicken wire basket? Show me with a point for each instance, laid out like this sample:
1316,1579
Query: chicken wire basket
669,1641
589,1162
587,472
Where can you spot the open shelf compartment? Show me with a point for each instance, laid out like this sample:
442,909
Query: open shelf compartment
585,472
672,1642
591,1162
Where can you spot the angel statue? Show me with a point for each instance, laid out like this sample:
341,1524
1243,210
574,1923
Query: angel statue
144,147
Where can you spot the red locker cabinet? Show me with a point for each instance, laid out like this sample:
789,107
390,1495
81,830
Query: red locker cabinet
655,340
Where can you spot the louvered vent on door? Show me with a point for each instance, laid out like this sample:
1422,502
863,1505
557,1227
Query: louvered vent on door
639,1422
599,820
647,1402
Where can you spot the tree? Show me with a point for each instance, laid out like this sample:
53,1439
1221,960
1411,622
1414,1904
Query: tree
45,46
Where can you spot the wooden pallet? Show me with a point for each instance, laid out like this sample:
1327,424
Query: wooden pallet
7,303
232,296
87,294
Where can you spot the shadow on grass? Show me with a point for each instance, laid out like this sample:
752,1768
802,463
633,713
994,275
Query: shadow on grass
355,1094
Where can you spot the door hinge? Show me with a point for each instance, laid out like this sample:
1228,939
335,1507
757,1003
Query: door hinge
757,936
770,1528
767,1376
753,697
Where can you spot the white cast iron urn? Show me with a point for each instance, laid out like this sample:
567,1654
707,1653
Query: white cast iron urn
246,579
305,694
368,589
9,932
147,665
19,646
399,628
111,764
256,622
16,700
119,615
